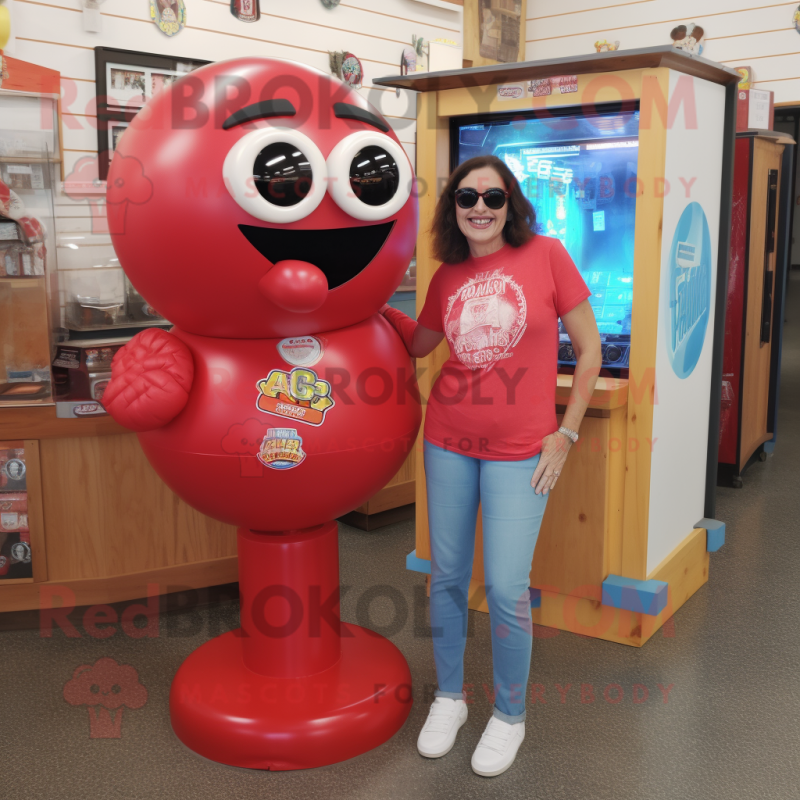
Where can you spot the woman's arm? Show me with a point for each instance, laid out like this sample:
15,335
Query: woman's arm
418,339
581,326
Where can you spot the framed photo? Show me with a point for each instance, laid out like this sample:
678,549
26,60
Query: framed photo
126,80
116,128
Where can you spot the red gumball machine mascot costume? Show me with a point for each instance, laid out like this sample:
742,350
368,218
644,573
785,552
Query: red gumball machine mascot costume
268,212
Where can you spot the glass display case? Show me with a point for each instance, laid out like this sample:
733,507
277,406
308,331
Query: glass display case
95,298
579,171
29,170
138,309
15,535
95,292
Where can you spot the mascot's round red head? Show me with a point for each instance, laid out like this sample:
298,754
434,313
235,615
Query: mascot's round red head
261,198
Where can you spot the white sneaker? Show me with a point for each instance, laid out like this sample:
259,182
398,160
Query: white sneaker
498,747
438,734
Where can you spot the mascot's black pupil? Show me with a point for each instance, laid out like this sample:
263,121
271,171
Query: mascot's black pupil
282,174
374,176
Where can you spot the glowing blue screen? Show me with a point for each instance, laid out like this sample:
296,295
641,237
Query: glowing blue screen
580,174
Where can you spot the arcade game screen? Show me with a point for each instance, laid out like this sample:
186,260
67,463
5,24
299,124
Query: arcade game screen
579,172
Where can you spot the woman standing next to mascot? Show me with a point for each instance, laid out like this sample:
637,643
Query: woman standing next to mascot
491,434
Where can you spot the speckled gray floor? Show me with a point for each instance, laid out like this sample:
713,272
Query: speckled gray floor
727,728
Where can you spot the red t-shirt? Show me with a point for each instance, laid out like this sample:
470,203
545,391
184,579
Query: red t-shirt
496,395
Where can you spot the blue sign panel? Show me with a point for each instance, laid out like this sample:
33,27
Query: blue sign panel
689,295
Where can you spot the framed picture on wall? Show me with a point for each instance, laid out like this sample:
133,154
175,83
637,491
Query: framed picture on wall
500,23
126,80
115,128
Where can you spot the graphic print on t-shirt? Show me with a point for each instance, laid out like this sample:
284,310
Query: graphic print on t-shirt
485,318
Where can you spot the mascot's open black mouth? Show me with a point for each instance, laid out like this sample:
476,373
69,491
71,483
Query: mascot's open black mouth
340,253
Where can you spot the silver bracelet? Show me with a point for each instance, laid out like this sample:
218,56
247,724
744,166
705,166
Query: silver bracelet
568,432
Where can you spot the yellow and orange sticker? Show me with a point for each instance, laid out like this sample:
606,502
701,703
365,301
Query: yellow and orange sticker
299,395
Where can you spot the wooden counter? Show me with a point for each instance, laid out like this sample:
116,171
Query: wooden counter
104,526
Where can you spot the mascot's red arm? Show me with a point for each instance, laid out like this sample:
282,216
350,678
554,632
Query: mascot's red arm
150,381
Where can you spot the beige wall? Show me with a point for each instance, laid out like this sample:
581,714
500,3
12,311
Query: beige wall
756,33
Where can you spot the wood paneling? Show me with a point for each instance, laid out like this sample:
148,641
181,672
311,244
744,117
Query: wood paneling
644,329
42,423
615,490
569,555
130,586
433,167
608,393
755,379
588,617
107,513
685,569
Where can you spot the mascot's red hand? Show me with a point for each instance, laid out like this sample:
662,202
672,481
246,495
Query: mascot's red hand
150,381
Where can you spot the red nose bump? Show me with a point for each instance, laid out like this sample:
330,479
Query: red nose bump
295,286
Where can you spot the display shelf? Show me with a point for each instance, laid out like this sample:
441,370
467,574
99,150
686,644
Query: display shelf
36,402
608,393
26,279
122,326
28,160
41,423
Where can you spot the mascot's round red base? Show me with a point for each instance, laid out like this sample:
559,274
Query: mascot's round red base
228,714
294,687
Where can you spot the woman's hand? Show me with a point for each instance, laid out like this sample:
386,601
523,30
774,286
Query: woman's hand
555,448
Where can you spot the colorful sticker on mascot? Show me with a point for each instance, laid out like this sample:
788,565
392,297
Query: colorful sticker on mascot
282,448
168,15
298,395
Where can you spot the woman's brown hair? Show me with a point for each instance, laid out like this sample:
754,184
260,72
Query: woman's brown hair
449,243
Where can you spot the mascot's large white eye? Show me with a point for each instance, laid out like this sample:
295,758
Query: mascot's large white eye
369,175
276,174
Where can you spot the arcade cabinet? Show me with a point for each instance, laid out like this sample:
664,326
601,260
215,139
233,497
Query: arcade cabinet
627,158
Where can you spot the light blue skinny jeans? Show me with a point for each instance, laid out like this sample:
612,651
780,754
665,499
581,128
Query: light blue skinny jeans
512,514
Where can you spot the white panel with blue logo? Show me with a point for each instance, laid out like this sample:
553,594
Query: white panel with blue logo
689,290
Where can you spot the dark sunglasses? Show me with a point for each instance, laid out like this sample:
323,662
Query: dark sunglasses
493,198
